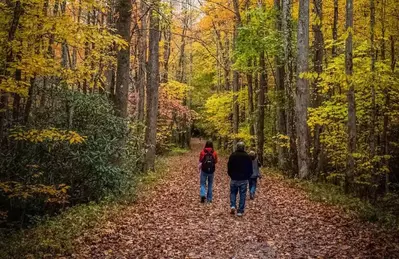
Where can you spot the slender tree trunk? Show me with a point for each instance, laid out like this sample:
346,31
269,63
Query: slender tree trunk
302,91
318,45
180,73
287,28
251,105
123,24
372,69
9,59
281,114
261,107
30,101
236,76
335,29
383,29
142,59
350,97
386,118
152,87
166,54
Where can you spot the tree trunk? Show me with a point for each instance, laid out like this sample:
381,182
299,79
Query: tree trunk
251,105
180,73
281,116
302,91
318,45
166,54
236,112
152,87
142,59
261,107
372,69
335,29
349,177
287,28
9,59
123,24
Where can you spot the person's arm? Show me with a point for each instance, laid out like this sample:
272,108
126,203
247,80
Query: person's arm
250,169
229,166
216,157
201,156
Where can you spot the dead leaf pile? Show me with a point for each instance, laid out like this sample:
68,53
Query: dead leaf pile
170,222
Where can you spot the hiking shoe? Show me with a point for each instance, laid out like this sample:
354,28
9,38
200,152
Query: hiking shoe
252,196
239,214
209,201
203,199
232,210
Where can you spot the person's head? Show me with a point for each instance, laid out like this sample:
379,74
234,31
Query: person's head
240,146
252,154
209,144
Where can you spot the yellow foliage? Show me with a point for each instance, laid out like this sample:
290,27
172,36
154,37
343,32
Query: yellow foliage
52,134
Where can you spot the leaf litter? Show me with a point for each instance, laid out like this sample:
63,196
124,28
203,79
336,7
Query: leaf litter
282,222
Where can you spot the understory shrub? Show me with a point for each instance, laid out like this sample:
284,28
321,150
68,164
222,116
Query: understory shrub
72,153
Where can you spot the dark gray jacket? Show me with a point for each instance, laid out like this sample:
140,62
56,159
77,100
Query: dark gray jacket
255,168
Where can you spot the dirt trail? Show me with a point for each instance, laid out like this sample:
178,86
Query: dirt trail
170,222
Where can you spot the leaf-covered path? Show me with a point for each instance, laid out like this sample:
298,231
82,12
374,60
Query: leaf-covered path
168,221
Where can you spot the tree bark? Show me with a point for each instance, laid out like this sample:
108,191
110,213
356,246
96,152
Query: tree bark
261,107
142,59
318,46
287,28
152,87
236,112
372,69
335,29
251,105
349,177
281,115
302,91
123,25
9,59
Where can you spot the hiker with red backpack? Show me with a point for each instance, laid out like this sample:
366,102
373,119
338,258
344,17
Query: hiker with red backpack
208,159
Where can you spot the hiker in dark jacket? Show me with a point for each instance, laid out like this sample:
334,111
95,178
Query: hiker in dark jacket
240,170
255,174
207,161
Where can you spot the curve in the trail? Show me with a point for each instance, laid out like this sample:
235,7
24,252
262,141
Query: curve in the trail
169,222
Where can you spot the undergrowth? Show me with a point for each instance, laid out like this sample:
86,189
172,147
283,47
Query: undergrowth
379,212
54,236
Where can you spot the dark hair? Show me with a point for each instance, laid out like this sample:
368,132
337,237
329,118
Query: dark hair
208,144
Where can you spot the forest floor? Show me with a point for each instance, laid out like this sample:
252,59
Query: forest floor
168,221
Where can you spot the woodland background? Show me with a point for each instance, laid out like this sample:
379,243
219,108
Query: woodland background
92,91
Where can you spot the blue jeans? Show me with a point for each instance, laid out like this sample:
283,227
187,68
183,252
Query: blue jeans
235,187
252,185
203,179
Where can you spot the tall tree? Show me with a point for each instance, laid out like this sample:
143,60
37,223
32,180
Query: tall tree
372,69
123,24
350,96
236,75
287,29
302,91
318,46
260,134
152,86
281,114
142,59
335,29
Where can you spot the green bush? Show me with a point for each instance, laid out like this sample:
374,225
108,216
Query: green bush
92,170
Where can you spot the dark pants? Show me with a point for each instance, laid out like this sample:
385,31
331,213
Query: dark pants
238,187
252,185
